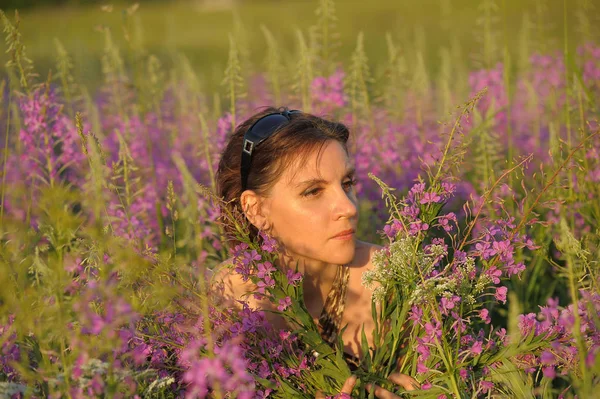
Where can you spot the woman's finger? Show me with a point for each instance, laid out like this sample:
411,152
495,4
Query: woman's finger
382,393
344,392
405,381
349,385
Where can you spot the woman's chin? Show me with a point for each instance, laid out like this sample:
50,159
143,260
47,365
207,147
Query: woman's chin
343,257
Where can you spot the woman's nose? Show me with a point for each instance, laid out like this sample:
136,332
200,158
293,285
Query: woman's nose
345,205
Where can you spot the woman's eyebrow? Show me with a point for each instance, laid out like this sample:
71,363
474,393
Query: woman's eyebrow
349,172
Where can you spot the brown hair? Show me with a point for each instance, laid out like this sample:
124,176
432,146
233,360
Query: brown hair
298,138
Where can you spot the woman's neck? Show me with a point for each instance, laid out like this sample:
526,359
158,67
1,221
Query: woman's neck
318,278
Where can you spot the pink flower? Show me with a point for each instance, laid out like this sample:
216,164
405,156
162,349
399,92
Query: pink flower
547,358
477,348
486,386
415,314
494,274
264,269
501,294
445,220
429,198
549,372
268,282
284,303
293,277
484,314
269,244
448,303
421,368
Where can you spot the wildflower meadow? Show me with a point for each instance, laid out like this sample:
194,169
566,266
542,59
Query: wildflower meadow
481,182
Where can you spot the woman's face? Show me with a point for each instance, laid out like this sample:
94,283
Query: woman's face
312,203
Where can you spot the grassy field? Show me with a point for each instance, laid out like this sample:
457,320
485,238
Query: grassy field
200,32
108,225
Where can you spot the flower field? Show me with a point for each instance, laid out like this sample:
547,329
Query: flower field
482,182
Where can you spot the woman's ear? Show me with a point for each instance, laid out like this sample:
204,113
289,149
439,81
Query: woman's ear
253,206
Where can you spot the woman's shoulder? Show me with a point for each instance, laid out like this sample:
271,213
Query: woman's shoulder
230,283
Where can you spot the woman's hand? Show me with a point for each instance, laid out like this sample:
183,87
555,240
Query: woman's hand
403,380
344,392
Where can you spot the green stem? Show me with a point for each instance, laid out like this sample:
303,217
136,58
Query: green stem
577,323
5,160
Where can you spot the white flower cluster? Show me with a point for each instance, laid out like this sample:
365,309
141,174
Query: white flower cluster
404,264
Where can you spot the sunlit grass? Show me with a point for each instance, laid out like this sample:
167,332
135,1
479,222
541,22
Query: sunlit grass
200,32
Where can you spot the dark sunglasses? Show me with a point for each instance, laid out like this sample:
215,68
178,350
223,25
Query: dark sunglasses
261,130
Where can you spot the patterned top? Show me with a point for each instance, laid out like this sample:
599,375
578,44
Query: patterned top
330,320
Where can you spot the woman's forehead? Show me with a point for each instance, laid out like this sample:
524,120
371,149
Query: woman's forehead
329,163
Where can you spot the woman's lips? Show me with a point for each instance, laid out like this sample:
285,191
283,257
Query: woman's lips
344,235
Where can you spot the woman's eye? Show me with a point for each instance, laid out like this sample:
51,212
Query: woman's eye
312,192
349,184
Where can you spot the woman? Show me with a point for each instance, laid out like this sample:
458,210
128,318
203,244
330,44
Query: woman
289,173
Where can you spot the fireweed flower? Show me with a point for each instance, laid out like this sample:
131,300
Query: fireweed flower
328,92
484,314
430,197
264,270
293,278
284,303
269,244
446,220
226,371
10,350
501,294
51,144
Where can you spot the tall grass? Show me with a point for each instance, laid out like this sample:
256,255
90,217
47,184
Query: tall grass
109,227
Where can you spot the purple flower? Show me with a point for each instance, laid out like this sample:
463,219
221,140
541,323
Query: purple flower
228,370
476,348
549,372
418,188
269,244
268,282
293,277
391,230
249,257
484,249
495,274
423,349
512,268
284,303
328,92
265,269
448,189
547,358
421,368
501,294
484,314
448,303
418,226
527,324
445,220
430,197
485,386
416,315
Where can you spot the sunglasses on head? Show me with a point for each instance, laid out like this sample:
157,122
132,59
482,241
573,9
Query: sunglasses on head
261,130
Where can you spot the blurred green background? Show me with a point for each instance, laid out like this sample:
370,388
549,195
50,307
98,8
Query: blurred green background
199,29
